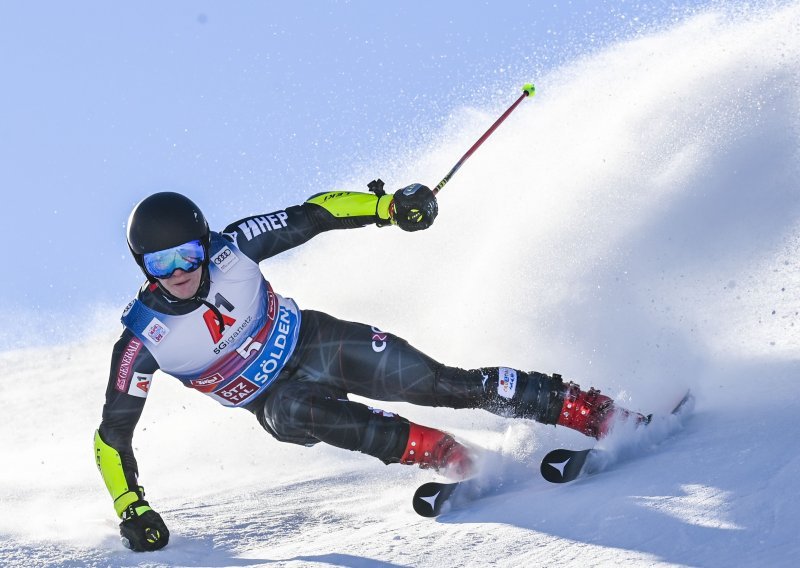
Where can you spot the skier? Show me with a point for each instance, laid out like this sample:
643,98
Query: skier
208,317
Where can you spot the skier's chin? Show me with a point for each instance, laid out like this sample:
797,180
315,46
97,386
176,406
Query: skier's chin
184,285
184,294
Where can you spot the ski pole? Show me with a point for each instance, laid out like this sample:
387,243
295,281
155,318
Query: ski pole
527,90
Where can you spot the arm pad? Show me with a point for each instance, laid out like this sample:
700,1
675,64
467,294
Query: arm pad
366,207
109,463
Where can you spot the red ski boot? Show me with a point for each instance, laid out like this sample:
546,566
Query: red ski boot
592,413
431,448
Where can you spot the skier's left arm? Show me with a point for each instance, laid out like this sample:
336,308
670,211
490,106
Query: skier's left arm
261,236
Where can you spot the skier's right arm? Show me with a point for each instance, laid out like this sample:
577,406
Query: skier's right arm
132,368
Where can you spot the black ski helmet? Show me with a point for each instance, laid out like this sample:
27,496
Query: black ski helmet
164,220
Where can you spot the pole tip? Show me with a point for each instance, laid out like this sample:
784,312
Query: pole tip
529,89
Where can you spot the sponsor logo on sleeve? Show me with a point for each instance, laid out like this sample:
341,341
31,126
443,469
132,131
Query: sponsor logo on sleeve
225,259
126,363
507,385
156,331
235,392
140,385
263,224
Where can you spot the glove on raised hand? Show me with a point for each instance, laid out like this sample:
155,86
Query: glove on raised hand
414,207
142,529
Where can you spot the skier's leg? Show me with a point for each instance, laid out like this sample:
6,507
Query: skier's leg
332,358
549,400
335,357
305,412
363,360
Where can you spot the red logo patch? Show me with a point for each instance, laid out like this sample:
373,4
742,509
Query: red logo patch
206,384
238,390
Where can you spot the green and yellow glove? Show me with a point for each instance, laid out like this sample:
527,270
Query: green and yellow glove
142,529
414,207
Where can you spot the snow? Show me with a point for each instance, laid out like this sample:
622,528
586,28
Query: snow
634,228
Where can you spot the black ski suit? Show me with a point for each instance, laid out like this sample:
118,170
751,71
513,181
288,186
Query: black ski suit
246,346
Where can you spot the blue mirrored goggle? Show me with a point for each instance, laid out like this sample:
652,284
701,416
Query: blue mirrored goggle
163,263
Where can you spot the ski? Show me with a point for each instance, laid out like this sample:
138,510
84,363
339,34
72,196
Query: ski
434,498
558,466
563,466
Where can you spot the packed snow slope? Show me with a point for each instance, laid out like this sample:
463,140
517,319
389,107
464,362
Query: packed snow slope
635,227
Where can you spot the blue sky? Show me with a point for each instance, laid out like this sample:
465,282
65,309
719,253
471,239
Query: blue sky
246,106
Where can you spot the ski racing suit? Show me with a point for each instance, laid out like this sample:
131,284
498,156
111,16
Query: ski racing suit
246,346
